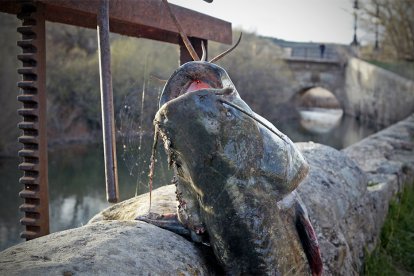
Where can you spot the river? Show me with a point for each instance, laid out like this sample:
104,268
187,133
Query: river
76,173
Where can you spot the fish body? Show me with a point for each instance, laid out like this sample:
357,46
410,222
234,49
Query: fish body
236,176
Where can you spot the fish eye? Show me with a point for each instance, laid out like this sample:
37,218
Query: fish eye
226,106
228,110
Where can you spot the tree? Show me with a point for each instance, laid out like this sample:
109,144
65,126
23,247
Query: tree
397,22
8,79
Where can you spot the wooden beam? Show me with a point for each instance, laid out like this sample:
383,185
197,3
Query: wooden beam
138,18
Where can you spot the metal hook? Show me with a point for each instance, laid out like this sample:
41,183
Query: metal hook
184,37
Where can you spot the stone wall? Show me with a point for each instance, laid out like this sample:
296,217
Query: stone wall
365,91
347,194
376,95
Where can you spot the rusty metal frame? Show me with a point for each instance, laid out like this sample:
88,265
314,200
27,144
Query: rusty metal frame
33,96
138,18
107,107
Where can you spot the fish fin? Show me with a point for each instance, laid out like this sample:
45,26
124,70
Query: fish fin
168,222
309,241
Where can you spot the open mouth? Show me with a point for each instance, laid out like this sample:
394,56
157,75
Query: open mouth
194,76
197,85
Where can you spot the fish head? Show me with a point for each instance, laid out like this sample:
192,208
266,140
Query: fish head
205,124
205,137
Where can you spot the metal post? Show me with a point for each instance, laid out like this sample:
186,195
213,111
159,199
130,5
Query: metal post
355,40
376,47
34,138
108,122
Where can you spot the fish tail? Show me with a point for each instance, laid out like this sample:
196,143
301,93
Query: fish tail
309,241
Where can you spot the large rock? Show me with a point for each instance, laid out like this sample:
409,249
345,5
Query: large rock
333,191
106,248
335,194
164,199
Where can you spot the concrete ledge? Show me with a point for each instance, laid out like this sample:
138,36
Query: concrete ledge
387,158
376,95
107,248
164,199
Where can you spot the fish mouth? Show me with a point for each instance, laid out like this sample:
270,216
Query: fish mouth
192,79
196,85
194,76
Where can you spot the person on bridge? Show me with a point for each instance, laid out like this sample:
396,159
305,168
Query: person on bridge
322,49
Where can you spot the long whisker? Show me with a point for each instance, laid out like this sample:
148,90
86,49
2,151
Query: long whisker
281,135
227,51
184,37
158,78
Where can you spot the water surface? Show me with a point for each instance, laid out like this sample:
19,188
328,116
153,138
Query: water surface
76,186
326,126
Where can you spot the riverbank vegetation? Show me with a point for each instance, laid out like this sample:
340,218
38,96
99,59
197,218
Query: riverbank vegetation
8,79
394,252
393,21
402,68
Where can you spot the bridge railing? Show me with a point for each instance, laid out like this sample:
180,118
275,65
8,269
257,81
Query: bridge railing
312,53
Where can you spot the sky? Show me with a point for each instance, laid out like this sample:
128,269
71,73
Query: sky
296,20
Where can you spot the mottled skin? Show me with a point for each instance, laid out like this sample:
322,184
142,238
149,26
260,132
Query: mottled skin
235,177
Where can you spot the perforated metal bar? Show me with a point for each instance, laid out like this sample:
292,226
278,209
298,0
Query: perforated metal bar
32,94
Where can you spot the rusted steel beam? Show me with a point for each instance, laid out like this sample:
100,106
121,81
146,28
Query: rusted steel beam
185,55
33,96
139,18
107,107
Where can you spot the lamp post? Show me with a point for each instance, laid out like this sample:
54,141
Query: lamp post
376,47
355,40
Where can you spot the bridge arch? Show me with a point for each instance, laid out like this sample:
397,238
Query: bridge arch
316,96
308,74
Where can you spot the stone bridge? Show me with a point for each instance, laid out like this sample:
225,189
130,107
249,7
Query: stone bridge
312,68
365,91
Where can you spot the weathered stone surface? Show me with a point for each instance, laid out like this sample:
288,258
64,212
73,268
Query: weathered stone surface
364,90
387,157
163,198
106,248
334,193
347,192
376,95
348,206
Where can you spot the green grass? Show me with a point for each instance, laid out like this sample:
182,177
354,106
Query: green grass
404,69
394,255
